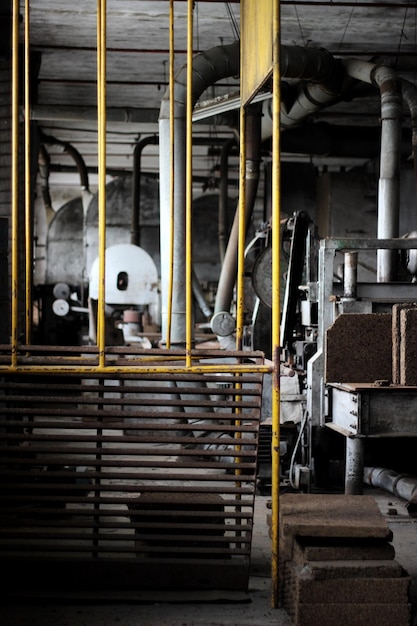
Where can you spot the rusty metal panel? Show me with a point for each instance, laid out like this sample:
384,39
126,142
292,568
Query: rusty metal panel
128,480
256,51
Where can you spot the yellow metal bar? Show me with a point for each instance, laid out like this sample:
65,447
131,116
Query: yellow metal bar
172,169
241,232
136,369
15,181
101,112
189,186
28,216
276,308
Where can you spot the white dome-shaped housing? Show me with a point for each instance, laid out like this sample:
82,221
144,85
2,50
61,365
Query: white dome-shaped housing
131,276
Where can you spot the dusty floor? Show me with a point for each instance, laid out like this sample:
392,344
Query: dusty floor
210,609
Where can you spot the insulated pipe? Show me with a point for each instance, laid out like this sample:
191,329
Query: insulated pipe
350,279
43,166
223,196
229,269
389,178
321,81
86,194
355,455
136,186
400,485
73,152
208,68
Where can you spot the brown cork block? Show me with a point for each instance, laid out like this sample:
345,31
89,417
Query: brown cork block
359,348
331,515
352,614
408,346
307,549
399,341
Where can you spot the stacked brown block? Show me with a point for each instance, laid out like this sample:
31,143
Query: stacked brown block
404,344
359,348
337,564
368,347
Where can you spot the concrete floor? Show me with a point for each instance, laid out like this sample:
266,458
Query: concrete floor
216,608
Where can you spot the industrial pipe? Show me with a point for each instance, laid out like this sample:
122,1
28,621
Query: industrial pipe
221,323
136,185
86,194
43,167
389,178
223,195
400,485
208,68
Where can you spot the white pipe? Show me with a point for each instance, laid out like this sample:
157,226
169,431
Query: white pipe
400,485
208,68
389,177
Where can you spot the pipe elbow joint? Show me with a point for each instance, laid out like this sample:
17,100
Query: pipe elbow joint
222,324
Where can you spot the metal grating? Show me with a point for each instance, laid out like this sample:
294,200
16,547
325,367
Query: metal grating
128,480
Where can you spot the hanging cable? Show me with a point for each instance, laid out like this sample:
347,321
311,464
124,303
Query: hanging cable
299,25
233,21
345,29
402,35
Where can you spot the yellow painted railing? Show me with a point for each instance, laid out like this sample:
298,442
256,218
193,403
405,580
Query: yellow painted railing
22,359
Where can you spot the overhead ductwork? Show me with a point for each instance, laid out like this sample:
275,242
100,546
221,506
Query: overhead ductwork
323,81
208,68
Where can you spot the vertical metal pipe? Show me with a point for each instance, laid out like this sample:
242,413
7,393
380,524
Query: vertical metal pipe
229,271
208,68
389,192
170,257
350,282
101,108
241,231
136,186
15,180
389,175
276,308
189,188
28,217
223,197
355,460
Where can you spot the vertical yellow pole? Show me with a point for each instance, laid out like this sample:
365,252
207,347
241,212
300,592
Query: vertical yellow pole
241,231
172,168
28,218
101,113
15,180
276,312
189,187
